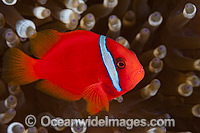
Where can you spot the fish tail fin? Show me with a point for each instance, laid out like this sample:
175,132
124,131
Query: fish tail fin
18,67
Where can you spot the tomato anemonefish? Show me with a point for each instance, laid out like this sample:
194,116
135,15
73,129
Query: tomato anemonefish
73,65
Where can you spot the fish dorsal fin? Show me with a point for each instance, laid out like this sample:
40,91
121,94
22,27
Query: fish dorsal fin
53,90
43,42
96,98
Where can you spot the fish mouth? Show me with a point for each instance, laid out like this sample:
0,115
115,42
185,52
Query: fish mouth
141,71
138,76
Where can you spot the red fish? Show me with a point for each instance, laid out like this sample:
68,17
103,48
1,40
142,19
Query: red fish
75,65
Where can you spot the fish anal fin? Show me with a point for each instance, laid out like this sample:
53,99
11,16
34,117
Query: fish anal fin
53,90
96,98
43,42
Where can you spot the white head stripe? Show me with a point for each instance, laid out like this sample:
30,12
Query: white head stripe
109,63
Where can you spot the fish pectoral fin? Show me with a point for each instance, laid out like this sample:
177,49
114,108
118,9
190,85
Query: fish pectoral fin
43,42
96,98
53,90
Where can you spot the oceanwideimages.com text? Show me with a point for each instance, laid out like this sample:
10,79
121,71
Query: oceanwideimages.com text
46,121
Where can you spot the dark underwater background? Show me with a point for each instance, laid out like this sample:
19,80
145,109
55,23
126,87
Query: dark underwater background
166,41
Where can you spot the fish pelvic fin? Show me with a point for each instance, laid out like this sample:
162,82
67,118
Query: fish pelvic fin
96,98
51,89
18,67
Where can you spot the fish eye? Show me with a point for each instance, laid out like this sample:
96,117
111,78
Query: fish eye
120,63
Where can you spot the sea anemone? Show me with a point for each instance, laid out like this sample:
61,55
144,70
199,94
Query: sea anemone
164,35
